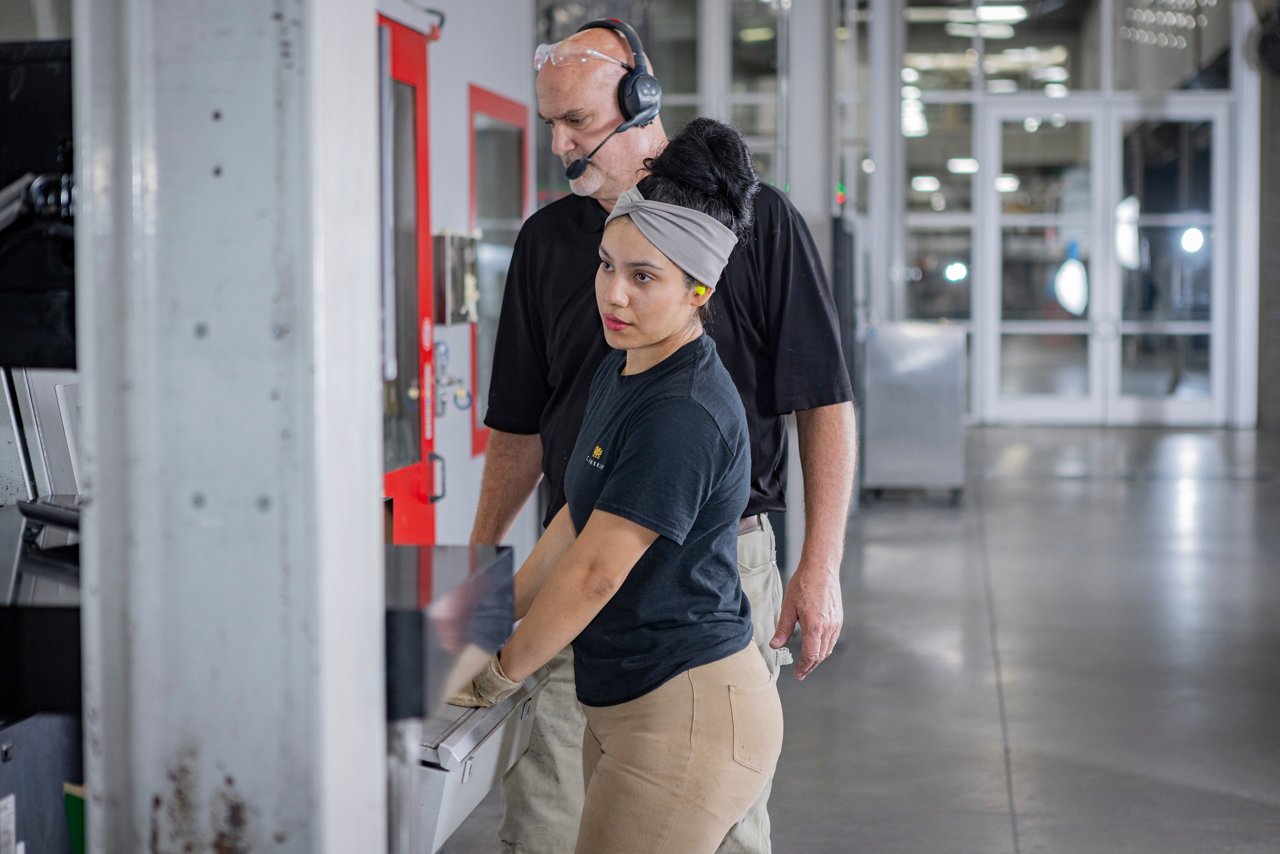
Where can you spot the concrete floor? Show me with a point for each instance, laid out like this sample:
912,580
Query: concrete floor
1083,657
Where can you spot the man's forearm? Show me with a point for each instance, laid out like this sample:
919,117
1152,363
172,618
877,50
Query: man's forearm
512,468
828,457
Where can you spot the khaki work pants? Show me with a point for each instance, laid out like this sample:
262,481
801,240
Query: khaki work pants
543,793
672,771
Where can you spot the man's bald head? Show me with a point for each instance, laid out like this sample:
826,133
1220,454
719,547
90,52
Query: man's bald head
578,100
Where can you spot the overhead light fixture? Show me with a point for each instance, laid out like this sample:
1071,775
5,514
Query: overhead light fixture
1002,87
911,93
1001,14
753,35
925,184
1007,184
962,166
1031,124
987,31
1051,74
910,75
956,271
938,202
914,123
1192,241
1056,90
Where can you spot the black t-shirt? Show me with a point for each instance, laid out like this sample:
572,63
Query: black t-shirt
773,319
667,449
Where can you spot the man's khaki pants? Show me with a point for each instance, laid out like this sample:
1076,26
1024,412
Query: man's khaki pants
544,792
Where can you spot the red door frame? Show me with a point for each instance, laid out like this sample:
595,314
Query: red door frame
412,488
486,102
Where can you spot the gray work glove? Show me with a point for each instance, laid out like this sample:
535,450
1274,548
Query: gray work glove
490,686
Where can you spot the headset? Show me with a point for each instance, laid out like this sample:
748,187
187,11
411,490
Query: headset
639,92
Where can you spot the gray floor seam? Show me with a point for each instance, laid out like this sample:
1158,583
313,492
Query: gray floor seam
995,657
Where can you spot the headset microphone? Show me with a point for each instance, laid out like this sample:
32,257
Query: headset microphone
579,166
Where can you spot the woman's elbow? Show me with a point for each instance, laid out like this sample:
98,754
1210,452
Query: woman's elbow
600,583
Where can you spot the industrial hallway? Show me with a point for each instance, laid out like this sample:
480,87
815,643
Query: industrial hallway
1083,657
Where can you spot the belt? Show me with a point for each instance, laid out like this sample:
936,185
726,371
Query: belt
747,524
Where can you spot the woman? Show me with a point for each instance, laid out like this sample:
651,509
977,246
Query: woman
639,569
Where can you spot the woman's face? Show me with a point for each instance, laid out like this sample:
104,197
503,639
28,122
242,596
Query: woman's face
646,303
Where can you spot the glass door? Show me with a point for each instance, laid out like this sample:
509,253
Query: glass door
1104,296
1042,224
1168,308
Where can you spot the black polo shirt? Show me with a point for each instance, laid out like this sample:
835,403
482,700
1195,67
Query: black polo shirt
773,318
667,449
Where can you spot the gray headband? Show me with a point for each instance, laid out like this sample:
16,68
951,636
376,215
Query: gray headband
699,244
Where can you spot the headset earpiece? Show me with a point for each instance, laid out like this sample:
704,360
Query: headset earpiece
639,92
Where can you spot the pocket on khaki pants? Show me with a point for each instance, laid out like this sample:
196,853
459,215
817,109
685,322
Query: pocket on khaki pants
757,723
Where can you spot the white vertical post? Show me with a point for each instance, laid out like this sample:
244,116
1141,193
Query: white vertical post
1246,274
227,260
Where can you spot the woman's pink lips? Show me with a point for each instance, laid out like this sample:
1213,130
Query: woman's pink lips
614,323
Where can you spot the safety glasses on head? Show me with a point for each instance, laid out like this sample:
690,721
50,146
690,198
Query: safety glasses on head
565,53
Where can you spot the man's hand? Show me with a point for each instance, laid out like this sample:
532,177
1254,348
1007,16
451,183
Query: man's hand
828,451
812,599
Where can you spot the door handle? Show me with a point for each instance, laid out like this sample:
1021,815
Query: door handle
436,458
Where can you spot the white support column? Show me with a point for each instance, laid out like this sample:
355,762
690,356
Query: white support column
227,275
714,58
1246,275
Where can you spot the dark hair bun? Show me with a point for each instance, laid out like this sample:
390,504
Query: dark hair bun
706,167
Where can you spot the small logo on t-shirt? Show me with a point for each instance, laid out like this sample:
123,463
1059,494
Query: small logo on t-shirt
594,459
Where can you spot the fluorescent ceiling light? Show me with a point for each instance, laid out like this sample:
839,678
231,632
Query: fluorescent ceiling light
1055,90
914,124
751,35
1052,74
1031,124
925,184
956,271
1002,14
910,75
911,93
1002,87
1007,184
987,31
962,166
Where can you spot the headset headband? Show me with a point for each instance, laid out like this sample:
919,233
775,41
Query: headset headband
633,40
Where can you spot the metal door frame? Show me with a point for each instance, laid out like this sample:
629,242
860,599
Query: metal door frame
1104,404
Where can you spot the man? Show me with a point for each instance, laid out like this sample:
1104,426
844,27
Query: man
776,332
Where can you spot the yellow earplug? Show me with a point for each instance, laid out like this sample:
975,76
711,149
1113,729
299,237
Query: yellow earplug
700,290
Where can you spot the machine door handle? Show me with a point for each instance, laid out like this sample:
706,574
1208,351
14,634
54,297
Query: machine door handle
436,458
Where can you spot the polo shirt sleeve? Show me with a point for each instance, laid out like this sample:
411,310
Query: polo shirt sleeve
803,326
672,459
518,388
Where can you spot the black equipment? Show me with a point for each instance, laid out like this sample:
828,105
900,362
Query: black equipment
37,250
